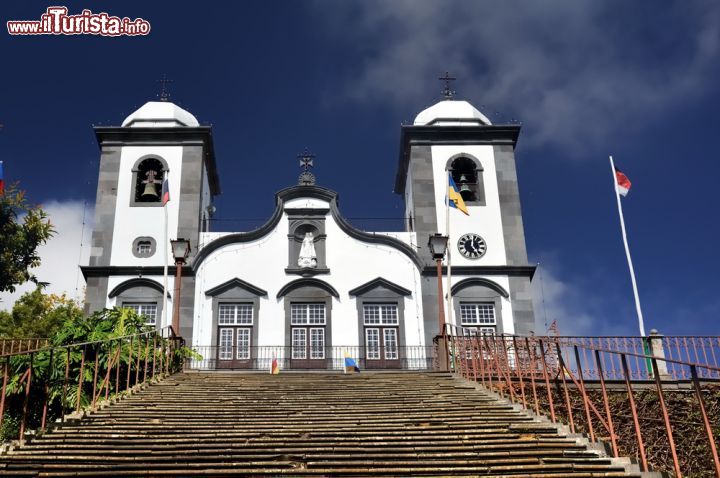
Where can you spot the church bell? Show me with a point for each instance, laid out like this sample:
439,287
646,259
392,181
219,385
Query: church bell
150,192
463,184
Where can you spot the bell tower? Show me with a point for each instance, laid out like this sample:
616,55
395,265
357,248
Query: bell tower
489,266
158,142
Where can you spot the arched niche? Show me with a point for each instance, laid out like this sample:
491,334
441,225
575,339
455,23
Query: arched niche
148,168
301,222
467,172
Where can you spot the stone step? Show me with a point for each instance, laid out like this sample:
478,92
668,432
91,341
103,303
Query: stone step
315,424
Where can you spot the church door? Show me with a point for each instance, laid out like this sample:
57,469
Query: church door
381,336
234,336
307,330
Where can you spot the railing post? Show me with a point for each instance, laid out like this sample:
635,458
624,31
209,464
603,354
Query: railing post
633,409
162,356
168,356
481,358
443,353
452,353
547,381
147,351
655,341
666,417
563,368
27,397
47,391
6,370
606,402
65,385
137,365
154,347
117,366
506,367
706,420
518,368
130,362
532,375
585,396
80,378
95,374
474,357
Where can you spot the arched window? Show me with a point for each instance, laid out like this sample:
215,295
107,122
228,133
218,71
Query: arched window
149,176
467,174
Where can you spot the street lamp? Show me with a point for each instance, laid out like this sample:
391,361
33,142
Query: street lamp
437,243
180,251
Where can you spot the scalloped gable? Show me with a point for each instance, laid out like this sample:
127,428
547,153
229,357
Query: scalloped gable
296,192
379,282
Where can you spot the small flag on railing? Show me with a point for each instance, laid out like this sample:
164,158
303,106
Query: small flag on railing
350,364
274,368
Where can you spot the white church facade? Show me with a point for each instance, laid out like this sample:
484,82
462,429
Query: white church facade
307,286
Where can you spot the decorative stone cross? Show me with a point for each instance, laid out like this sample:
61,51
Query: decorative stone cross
306,162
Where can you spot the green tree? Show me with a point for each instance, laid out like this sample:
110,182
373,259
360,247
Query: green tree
23,228
36,314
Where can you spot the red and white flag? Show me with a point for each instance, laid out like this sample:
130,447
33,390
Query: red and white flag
622,183
165,192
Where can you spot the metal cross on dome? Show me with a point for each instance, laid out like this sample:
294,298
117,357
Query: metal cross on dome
164,93
447,92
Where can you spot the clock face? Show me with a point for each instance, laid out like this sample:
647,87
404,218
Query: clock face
472,246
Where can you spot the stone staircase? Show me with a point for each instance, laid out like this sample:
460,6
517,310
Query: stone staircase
311,424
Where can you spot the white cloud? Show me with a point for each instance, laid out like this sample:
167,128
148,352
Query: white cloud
579,306
577,71
61,255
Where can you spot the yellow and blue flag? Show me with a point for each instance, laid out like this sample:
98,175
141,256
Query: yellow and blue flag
454,198
350,364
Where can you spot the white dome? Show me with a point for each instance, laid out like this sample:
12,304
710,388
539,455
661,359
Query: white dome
158,114
451,113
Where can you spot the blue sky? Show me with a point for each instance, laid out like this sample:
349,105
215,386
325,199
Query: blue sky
586,79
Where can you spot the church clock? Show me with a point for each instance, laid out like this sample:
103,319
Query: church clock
472,246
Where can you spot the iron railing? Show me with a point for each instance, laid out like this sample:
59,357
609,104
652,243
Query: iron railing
13,346
699,350
46,384
632,400
323,358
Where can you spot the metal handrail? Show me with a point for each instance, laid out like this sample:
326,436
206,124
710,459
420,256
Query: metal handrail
512,364
147,354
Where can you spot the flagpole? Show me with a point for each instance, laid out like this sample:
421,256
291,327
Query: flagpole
165,267
627,251
448,288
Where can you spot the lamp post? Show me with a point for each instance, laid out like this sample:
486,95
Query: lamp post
437,243
180,251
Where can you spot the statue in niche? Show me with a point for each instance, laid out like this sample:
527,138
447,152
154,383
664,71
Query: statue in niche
308,258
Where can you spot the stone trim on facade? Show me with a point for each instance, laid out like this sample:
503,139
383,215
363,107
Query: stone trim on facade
138,282
306,282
